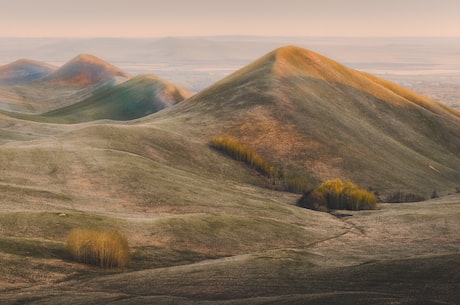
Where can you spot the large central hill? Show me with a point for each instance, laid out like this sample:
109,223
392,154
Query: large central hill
311,115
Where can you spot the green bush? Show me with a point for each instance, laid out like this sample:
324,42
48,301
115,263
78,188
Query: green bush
336,195
107,249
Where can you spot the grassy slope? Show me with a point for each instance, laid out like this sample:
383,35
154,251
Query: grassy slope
80,78
138,97
23,71
364,265
181,203
313,115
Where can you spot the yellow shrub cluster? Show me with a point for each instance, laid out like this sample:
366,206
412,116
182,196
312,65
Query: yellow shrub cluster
334,194
107,249
278,179
242,153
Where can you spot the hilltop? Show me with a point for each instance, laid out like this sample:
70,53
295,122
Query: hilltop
77,80
24,71
140,96
84,70
315,116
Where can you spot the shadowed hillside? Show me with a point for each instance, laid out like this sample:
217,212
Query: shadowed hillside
311,114
23,71
138,97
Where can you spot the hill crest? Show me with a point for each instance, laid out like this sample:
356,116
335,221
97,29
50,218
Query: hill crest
84,70
313,115
23,71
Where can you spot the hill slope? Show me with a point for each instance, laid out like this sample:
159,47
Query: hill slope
200,229
137,97
77,80
84,70
23,71
310,114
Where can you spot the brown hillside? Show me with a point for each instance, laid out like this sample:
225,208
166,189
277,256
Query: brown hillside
79,79
85,70
23,71
312,115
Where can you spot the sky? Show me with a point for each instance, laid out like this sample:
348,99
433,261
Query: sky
152,18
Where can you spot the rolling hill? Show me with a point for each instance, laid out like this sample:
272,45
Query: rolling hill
202,228
24,71
317,118
84,70
135,98
77,80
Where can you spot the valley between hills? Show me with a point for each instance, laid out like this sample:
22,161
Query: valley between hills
88,145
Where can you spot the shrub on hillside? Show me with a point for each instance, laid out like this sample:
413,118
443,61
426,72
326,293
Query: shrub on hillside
278,179
402,196
242,153
334,194
107,249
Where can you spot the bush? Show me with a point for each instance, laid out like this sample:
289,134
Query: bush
402,196
279,179
107,249
240,152
334,194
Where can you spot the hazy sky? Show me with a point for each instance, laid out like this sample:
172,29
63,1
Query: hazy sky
152,18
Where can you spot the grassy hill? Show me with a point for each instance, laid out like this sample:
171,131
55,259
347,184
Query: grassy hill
84,70
203,227
137,97
77,80
314,116
23,71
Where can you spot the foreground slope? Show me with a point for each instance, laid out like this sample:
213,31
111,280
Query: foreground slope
23,71
137,97
310,114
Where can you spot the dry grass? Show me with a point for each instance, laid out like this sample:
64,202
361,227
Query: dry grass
334,194
242,153
158,180
106,249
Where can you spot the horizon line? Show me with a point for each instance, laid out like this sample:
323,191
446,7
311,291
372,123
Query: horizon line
227,35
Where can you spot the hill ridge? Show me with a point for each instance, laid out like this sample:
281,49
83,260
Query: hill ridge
84,70
313,115
23,71
137,97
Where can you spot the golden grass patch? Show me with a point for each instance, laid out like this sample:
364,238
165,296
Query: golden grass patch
106,249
